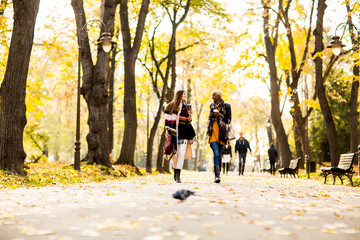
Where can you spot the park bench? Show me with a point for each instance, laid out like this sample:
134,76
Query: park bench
292,170
266,167
344,168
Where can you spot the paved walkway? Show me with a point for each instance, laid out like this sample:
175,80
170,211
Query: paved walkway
256,206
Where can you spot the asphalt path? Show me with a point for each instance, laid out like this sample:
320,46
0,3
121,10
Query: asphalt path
254,206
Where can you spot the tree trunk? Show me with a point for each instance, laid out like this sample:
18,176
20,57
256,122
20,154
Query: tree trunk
270,44
353,104
13,87
111,103
95,84
299,130
320,89
298,143
153,133
131,50
199,108
160,157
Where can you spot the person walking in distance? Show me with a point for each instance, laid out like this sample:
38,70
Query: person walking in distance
226,157
219,116
241,147
272,152
178,126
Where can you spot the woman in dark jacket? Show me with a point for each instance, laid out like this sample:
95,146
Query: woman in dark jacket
219,116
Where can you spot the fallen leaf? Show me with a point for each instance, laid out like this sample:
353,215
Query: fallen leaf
191,237
332,231
297,212
282,233
30,231
116,224
212,233
242,213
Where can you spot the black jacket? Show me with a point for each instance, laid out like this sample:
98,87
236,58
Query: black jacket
227,150
242,146
272,153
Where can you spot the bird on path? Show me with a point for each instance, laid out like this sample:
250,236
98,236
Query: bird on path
183,194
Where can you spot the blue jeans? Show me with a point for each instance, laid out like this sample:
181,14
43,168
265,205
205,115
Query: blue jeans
242,161
217,150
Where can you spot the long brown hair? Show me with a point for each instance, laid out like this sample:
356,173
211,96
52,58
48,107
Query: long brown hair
175,103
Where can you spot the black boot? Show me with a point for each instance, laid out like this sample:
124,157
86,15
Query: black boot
175,174
178,180
217,173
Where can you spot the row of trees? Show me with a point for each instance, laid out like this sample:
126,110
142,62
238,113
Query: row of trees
277,23
165,45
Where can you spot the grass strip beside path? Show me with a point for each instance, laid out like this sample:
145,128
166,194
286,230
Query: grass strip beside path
40,175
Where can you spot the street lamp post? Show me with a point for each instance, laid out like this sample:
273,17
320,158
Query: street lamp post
107,44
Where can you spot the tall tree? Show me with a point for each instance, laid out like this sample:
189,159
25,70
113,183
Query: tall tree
95,82
353,103
131,50
302,145
271,42
13,87
172,11
320,88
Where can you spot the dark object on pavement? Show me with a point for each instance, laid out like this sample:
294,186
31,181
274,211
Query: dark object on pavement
292,170
183,194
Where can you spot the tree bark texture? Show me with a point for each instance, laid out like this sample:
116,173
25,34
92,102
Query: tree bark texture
13,87
320,88
95,83
270,45
130,54
353,103
298,141
111,102
160,158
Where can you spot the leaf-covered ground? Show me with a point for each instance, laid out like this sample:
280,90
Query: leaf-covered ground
256,206
54,174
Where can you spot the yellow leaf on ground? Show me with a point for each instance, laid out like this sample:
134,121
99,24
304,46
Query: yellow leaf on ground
332,231
212,233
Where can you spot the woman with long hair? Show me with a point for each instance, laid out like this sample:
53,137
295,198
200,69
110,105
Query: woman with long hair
178,126
219,116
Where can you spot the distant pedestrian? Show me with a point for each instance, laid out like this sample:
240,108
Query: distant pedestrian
178,126
241,147
272,152
226,157
219,116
